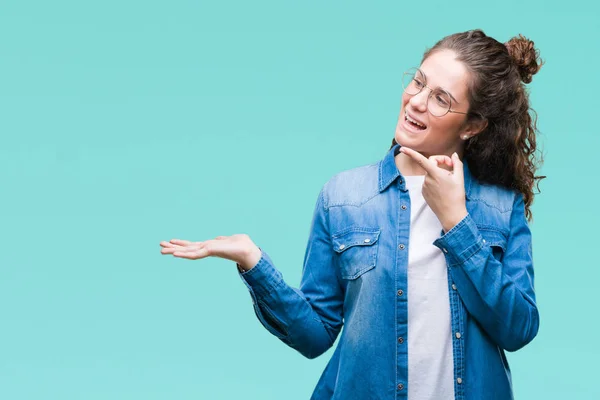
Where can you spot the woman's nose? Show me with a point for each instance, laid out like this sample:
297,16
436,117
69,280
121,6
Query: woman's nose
419,101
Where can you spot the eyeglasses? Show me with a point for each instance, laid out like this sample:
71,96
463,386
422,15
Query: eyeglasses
413,81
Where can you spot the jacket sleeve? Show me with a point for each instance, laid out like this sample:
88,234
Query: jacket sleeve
307,319
498,294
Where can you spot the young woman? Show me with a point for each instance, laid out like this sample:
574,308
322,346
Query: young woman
424,257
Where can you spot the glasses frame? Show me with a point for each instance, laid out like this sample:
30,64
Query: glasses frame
414,71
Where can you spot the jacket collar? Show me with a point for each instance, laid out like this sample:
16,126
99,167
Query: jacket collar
388,172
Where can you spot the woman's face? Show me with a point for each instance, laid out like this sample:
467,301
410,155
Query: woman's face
442,135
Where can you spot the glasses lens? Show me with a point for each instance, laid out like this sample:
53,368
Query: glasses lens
439,103
412,83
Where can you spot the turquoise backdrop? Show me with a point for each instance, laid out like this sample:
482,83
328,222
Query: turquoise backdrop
124,123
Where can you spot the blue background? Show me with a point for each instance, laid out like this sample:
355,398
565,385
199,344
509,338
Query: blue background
124,123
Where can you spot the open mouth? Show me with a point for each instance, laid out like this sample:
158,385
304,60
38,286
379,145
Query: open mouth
413,123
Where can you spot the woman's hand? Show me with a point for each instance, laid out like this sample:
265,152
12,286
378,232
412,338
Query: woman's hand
238,248
443,189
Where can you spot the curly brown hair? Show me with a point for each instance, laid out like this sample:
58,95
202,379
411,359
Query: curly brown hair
504,152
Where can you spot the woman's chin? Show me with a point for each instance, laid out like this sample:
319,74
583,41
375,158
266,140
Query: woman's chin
405,136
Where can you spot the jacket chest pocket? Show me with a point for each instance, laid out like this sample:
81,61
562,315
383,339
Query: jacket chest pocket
356,250
496,240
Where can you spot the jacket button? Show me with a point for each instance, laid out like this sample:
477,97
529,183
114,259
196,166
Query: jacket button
367,240
453,286
400,292
458,380
400,340
401,386
403,207
401,247
342,246
445,251
458,335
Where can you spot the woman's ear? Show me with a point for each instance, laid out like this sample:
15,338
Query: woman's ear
474,127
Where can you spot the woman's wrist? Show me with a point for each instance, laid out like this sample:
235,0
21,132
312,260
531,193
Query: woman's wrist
253,257
454,219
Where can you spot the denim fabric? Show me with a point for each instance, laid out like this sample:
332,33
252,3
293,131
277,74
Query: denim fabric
354,275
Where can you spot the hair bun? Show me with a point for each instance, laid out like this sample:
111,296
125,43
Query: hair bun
525,56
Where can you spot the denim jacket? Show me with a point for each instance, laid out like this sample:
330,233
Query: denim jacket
355,275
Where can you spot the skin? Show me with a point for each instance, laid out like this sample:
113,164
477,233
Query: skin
435,152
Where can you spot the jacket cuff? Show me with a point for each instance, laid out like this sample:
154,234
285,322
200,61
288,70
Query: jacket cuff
263,278
461,242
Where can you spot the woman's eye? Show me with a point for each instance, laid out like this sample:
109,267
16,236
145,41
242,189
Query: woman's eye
441,100
418,83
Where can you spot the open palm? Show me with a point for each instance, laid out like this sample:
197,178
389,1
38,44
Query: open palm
238,248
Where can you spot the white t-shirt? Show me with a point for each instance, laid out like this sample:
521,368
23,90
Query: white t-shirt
430,361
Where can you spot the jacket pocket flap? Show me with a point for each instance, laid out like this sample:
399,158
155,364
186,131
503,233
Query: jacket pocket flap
354,237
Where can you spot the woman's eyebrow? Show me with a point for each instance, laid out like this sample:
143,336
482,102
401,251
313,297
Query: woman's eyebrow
425,79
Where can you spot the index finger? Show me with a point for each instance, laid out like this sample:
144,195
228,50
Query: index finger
418,157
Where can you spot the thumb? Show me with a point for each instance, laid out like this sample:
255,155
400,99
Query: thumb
455,157
457,163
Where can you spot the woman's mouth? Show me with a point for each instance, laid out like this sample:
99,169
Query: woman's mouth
414,125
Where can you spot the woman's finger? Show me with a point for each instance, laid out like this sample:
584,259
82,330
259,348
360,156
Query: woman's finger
420,158
170,250
183,245
194,254
442,161
181,242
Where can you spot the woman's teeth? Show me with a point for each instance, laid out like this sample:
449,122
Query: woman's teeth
414,122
